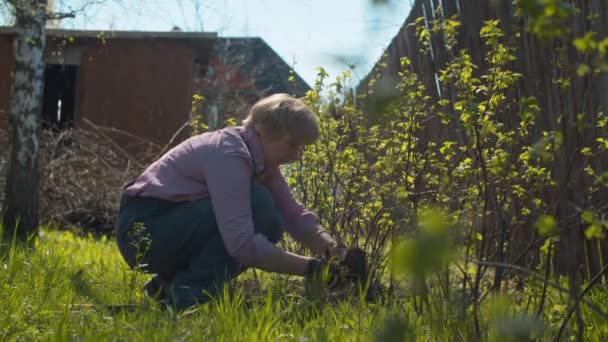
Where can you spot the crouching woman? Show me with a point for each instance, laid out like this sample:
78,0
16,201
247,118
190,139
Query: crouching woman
217,204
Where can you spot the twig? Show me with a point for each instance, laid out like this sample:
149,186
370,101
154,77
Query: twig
592,305
173,137
578,299
547,271
60,16
115,130
109,140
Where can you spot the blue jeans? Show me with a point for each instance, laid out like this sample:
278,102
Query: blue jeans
180,242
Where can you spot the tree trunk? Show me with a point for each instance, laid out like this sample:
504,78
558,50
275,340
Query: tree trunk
21,197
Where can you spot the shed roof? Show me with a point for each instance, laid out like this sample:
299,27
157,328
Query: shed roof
108,34
256,60
201,42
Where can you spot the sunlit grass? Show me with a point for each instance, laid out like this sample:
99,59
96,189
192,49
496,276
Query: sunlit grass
43,291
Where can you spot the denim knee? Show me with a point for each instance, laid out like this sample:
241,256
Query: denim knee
267,218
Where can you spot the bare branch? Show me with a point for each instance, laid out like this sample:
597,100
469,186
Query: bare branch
533,274
578,299
88,4
71,12
60,16
7,8
173,137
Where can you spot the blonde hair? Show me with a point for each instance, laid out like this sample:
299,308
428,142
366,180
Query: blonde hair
282,115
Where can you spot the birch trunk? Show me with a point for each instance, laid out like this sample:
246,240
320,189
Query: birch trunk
21,211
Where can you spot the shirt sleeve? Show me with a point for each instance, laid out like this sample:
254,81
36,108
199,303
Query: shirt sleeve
302,224
228,178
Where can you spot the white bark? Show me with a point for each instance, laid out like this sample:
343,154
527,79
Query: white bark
21,201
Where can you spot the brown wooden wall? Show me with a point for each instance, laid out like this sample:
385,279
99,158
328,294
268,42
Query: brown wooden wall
136,86
140,86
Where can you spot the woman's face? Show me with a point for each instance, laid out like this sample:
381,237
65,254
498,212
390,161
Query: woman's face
282,150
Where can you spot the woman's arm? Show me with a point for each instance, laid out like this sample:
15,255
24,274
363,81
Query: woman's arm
302,224
228,178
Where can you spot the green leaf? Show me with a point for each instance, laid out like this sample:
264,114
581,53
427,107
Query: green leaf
583,70
586,151
321,73
410,180
431,249
586,43
587,216
594,231
545,224
603,179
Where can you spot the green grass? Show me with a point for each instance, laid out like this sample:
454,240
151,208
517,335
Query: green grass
39,287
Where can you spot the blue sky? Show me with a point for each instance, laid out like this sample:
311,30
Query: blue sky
328,33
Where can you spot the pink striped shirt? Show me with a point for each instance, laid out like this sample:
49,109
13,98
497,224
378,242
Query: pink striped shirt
222,165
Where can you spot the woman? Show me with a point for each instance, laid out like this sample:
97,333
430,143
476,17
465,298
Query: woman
217,203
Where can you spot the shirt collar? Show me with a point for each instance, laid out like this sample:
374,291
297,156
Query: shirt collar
251,138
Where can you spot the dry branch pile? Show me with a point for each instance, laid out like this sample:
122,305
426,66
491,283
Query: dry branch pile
82,172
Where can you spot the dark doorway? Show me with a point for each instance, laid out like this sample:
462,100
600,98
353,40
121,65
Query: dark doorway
59,94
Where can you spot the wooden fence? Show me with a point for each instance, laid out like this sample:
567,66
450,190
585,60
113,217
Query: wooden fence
537,60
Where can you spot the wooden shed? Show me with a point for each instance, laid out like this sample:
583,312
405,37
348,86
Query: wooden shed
139,82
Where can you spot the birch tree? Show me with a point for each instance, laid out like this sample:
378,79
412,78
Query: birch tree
21,206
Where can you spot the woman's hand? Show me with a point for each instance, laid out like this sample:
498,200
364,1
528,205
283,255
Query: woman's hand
340,266
337,252
353,259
